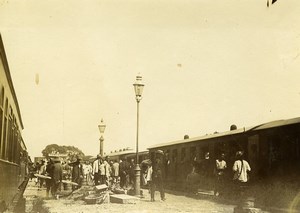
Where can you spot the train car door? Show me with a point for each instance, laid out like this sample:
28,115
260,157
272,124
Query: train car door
253,153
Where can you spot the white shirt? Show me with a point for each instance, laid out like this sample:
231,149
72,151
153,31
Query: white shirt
240,172
221,164
96,165
149,174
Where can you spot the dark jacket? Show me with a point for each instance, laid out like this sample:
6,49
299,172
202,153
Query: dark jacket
56,172
124,168
77,172
157,170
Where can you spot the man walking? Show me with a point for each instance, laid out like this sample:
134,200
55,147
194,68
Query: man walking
241,168
157,180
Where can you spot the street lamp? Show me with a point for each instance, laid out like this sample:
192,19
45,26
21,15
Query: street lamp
101,127
138,88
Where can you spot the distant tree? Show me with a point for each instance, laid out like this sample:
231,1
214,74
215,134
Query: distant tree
71,151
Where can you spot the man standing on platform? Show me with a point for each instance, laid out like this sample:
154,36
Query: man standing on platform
115,171
220,169
124,173
96,170
77,173
56,177
157,178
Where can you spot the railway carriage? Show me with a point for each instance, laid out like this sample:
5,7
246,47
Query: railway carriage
272,149
127,154
13,151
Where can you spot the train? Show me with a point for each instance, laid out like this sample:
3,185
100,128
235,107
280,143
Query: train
13,151
128,154
272,150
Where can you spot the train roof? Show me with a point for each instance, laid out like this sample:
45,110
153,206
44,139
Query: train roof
204,137
277,123
121,153
127,152
268,125
9,79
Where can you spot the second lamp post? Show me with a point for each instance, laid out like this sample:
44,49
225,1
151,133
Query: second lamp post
138,88
101,127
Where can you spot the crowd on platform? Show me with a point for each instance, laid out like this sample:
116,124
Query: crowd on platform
122,173
100,171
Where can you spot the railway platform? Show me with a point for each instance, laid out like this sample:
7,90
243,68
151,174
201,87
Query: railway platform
37,201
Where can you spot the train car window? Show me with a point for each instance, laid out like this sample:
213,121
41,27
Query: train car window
1,128
1,118
1,96
192,153
174,156
183,154
203,151
167,155
14,140
10,137
15,153
6,107
4,138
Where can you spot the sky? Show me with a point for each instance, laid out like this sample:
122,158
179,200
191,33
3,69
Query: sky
205,64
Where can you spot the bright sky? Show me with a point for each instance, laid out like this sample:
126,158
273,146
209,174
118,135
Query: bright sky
205,65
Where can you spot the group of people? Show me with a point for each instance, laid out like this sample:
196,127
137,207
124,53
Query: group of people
57,171
52,169
110,172
105,171
240,170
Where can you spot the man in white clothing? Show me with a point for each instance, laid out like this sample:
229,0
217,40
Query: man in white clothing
96,169
241,168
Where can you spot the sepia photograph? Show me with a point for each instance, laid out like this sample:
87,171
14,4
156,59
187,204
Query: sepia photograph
149,106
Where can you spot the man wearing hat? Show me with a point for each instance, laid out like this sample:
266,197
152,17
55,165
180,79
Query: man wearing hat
240,168
56,176
42,171
77,173
96,169
157,177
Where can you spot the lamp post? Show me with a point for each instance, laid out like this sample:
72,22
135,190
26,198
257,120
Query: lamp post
138,88
101,127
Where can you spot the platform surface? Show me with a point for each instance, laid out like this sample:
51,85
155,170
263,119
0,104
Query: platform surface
123,199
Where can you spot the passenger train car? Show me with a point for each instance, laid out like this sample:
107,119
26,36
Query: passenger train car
13,151
272,149
128,155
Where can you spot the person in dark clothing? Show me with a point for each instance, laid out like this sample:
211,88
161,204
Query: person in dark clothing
49,172
77,173
157,180
56,177
96,169
220,168
42,171
124,173
131,172
207,166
